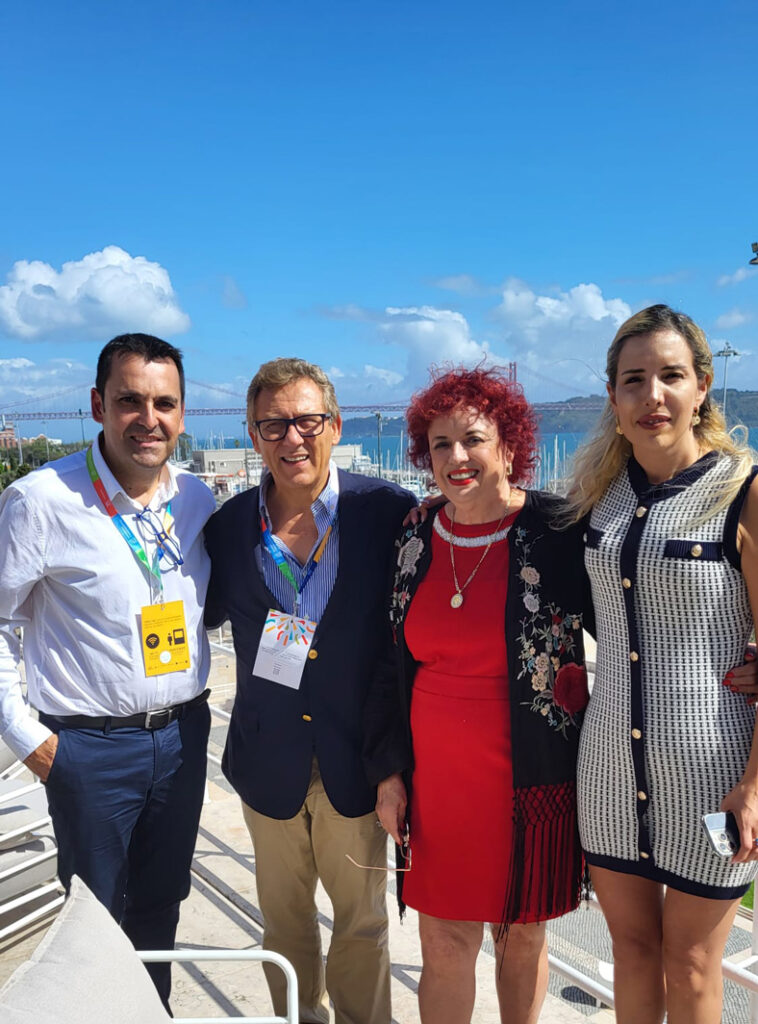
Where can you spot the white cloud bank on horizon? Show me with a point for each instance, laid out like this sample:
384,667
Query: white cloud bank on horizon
551,336
102,294
57,383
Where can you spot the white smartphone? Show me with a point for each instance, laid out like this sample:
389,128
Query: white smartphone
722,832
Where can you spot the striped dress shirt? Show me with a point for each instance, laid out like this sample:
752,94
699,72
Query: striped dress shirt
314,598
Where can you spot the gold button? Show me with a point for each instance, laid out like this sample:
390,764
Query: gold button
644,855
641,794
640,511
633,656
626,583
696,550
312,654
637,734
307,718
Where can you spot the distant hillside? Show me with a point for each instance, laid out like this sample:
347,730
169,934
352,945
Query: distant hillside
362,425
571,416
574,416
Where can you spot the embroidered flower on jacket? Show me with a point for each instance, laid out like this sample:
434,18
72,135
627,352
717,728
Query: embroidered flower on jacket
570,690
547,640
408,556
410,549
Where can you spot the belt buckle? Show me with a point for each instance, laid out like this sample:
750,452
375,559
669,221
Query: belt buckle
157,719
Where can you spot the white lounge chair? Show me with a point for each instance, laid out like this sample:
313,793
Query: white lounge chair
85,971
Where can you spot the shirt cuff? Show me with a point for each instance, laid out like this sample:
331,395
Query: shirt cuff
24,736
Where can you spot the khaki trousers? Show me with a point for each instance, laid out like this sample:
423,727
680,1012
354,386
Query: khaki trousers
290,857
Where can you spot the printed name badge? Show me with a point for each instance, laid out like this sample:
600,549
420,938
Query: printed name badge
283,648
164,638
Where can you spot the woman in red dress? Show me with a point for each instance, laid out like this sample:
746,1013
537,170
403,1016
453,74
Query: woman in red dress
472,740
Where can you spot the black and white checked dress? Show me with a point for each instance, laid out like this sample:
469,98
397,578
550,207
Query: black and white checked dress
663,740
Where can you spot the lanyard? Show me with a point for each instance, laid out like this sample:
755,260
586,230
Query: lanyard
118,521
281,562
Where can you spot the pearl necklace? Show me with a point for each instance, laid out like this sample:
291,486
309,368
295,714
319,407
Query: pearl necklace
457,599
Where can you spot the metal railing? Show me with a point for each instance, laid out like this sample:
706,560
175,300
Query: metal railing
227,955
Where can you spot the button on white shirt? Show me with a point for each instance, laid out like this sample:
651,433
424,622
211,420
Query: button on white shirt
72,582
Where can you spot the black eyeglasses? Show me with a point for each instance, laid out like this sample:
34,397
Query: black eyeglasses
310,425
167,546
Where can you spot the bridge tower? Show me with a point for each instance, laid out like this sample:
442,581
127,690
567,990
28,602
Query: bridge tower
512,372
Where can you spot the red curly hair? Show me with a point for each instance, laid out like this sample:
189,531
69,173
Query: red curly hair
493,395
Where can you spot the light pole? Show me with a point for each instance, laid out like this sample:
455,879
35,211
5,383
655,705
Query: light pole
379,442
724,354
247,466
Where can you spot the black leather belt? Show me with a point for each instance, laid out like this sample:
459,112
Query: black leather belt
144,720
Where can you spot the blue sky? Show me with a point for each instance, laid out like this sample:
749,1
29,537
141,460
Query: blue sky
375,187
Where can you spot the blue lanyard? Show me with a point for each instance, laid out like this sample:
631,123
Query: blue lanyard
281,562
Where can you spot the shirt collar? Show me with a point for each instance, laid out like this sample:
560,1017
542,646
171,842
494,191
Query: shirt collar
326,500
167,489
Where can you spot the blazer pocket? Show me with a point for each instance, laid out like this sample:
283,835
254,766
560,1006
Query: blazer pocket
694,550
592,537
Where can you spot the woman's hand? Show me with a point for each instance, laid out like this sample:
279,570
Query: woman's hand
391,802
744,678
742,801
419,513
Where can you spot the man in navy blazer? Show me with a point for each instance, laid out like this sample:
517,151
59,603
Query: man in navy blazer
300,567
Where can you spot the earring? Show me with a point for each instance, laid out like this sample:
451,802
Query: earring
508,468
695,417
618,428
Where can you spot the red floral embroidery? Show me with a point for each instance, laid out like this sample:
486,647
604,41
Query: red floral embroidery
570,690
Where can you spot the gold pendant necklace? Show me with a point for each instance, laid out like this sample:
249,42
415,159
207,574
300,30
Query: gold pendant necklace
457,599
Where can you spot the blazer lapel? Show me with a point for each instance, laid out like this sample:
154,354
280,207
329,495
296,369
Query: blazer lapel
351,523
253,578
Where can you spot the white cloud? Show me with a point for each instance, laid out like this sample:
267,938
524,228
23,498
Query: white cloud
14,364
463,284
389,377
733,318
101,294
432,336
56,385
741,274
559,339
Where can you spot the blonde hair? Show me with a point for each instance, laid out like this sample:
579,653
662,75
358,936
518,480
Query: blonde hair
602,458
278,373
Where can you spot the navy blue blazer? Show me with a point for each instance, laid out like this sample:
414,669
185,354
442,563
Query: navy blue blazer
275,730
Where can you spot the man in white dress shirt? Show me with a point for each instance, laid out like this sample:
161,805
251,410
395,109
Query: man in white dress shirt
102,563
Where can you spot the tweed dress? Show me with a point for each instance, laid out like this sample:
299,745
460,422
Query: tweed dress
663,740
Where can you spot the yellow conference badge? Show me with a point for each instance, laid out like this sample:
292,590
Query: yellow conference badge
165,647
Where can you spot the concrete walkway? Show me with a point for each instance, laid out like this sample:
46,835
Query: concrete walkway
223,911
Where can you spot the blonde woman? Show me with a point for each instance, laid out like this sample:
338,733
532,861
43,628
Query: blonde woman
672,555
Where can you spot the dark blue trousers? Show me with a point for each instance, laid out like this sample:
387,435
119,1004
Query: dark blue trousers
125,806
